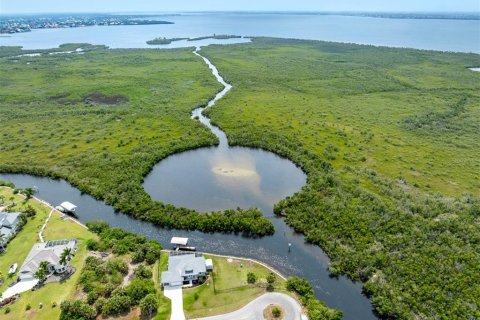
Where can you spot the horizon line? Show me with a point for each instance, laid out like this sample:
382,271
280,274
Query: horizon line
247,11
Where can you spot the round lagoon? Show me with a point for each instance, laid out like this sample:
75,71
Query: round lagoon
212,179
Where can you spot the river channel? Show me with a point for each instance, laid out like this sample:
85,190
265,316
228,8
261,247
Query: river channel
219,178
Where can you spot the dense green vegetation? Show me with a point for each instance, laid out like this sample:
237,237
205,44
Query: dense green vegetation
216,36
103,279
163,40
101,120
316,309
378,131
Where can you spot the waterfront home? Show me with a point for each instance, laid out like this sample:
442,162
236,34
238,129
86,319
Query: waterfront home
9,223
183,269
51,252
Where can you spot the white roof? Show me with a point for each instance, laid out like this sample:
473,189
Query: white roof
49,251
209,263
179,241
68,206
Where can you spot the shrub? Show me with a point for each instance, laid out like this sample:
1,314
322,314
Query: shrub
142,272
251,277
116,305
30,211
271,278
138,256
148,305
76,310
92,245
139,288
276,312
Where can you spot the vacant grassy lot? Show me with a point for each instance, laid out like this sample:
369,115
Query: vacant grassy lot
20,246
378,131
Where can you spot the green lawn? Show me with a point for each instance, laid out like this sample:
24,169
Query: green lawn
18,249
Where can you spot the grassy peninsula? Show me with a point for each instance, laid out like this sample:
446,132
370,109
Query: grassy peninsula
164,40
389,139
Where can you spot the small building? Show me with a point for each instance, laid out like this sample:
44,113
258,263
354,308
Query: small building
50,252
183,269
9,222
209,264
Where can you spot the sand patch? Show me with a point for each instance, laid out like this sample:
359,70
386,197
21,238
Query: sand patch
234,172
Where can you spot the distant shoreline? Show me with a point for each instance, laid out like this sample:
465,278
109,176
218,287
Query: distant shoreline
372,14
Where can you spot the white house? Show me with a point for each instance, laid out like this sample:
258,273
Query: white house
9,222
50,252
183,269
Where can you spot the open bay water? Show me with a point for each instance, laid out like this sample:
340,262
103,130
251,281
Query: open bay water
430,34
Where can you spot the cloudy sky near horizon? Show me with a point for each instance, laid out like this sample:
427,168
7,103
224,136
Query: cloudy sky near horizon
56,6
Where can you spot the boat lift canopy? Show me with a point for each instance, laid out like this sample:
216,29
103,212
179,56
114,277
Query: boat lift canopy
68,206
179,241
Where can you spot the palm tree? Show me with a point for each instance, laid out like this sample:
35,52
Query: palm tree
66,256
42,271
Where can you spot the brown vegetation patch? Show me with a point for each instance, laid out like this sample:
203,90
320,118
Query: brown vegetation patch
63,99
101,98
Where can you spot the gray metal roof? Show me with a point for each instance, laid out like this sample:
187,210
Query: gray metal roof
9,219
183,265
7,233
46,252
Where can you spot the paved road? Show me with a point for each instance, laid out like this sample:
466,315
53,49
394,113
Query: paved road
254,310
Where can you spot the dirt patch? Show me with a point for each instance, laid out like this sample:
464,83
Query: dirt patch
101,98
129,276
273,312
63,99
134,314
100,255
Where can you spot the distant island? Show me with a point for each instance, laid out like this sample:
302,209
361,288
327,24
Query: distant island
215,36
163,40
17,24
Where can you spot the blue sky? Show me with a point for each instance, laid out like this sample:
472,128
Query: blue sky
39,6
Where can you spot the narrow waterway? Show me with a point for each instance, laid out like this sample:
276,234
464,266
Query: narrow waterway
219,178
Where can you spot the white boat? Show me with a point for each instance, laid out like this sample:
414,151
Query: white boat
13,268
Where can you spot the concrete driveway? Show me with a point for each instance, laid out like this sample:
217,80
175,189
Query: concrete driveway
176,296
19,287
254,310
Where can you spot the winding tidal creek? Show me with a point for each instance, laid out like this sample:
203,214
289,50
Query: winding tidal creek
217,178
